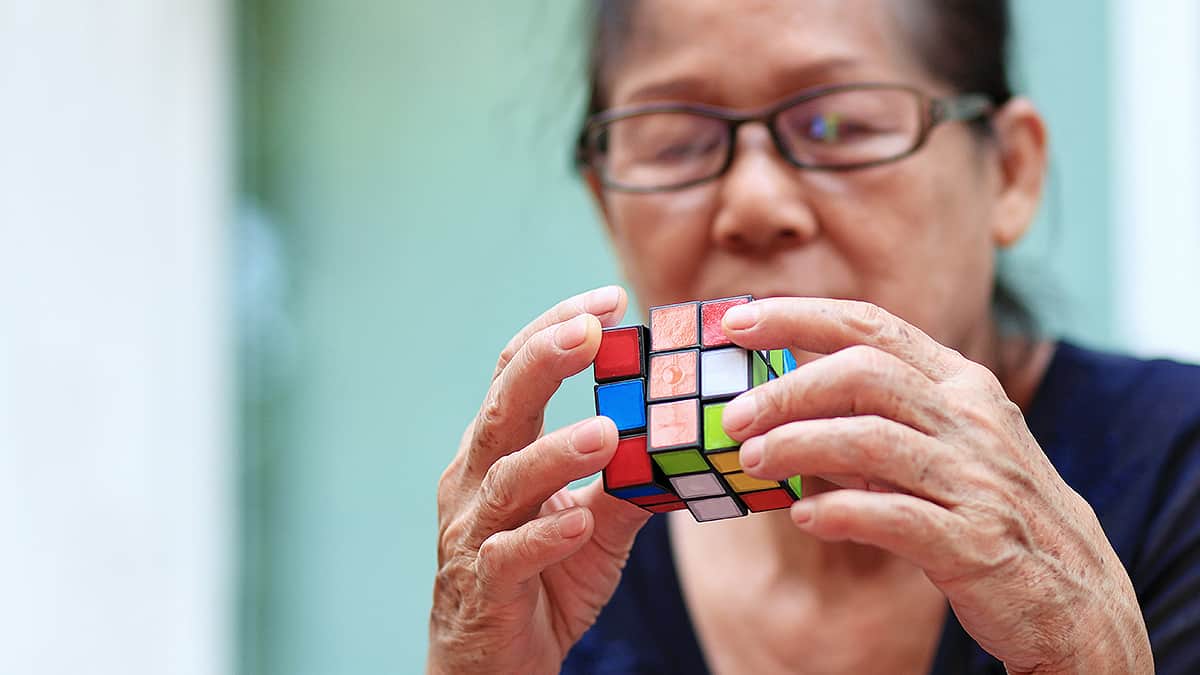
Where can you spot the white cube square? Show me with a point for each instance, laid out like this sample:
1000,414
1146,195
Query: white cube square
724,372
697,485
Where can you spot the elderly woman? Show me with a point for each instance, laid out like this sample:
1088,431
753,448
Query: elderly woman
978,498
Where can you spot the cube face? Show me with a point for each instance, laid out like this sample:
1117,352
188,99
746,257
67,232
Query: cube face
674,425
674,375
676,462
630,465
666,388
711,314
789,362
724,372
768,500
743,482
639,491
697,485
650,500
725,462
624,403
715,437
622,354
675,326
781,361
715,508
631,476
793,485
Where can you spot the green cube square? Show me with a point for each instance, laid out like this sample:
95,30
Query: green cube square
676,462
777,362
793,484
759,367
715,437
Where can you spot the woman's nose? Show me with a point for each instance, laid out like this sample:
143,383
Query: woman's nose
763,203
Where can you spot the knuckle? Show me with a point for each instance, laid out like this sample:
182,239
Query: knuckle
980,376
450,538
866,362
506,355
496,491
779,401
906,517
539,350
489,561
492,417
543,533
447,483
831,518
870,319
878,441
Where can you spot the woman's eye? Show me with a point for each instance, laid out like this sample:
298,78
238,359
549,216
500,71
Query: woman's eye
687,148
832,128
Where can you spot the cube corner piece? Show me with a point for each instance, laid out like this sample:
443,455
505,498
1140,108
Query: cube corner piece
622,354
715,508
712,312
630,475
674,327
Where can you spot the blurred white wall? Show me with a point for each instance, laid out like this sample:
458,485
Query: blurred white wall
1156,167
116,507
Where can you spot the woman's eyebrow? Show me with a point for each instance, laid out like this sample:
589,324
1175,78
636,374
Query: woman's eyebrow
689,87
695,87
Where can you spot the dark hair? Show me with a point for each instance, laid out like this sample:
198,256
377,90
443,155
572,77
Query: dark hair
963,43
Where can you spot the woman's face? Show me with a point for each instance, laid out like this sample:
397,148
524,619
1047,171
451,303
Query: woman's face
916,236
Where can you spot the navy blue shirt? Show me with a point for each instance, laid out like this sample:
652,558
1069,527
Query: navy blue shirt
1124,433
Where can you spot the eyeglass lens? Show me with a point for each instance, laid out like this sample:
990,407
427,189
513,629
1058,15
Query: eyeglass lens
837,129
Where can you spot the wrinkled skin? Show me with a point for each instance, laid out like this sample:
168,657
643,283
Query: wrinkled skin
524,564
880,282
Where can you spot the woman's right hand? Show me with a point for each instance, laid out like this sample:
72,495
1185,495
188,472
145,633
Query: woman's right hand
524,564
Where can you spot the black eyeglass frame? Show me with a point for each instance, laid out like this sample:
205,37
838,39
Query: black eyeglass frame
935,111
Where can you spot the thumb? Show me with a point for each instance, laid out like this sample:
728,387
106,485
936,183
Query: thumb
617,521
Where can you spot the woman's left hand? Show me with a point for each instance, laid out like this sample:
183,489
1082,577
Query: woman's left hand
939,468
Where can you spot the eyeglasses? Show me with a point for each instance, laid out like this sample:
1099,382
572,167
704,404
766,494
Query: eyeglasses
661,147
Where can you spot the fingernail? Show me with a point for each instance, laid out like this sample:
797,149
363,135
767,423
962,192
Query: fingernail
752,452
571,524
602,300
741,317
739,413
571,334
802,512
588,437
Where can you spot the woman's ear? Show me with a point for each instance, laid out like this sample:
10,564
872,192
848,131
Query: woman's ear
1021,144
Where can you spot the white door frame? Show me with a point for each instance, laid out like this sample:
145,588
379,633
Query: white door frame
1156,162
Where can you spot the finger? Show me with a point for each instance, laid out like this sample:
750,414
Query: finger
825,326
606,303
855,381
517,485
511,416
878,450
617,521
914,529
508,560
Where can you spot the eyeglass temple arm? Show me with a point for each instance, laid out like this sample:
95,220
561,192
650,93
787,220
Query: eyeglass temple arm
965,107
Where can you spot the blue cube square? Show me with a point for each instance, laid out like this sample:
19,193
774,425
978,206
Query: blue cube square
624,403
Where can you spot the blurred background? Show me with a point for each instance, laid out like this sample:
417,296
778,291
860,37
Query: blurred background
257,260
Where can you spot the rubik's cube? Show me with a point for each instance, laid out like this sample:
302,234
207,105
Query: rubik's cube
666,387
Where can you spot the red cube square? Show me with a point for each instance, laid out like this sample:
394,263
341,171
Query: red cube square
767,500
621,355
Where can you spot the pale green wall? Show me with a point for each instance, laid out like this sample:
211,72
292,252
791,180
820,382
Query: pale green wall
413,158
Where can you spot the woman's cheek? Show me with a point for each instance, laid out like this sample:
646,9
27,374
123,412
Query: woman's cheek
662,240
